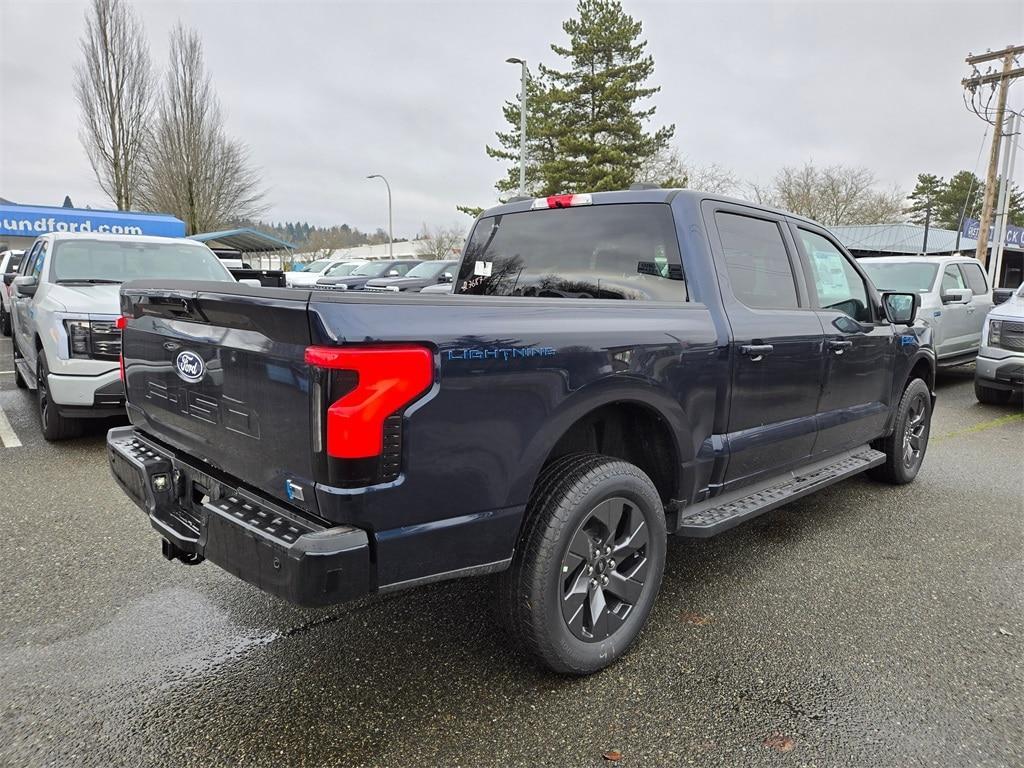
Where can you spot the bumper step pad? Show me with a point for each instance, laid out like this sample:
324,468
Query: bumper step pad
729,510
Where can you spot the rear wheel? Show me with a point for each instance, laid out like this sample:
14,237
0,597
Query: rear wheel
991,395
55,426
905,448
589,563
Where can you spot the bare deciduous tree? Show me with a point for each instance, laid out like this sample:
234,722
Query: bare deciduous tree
834,195
193,169
114,86
669,169
440,243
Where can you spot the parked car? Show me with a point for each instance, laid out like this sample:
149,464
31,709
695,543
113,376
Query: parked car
999,369
955,297
365,443
65,303
416,279
438,288
311,272
357,279
9,263
342,268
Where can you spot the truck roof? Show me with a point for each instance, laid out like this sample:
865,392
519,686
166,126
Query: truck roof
655,195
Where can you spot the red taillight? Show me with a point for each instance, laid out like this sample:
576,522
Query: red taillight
388,378
120,324
562,201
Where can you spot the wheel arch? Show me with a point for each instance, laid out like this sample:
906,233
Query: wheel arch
641,424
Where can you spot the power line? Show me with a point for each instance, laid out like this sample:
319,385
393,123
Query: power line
998,82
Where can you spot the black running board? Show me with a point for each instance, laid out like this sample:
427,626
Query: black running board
730,509
26,373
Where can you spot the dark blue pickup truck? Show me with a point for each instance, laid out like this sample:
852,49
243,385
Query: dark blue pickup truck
610,369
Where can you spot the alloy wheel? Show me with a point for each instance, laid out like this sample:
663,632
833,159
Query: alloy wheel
915,434
604,569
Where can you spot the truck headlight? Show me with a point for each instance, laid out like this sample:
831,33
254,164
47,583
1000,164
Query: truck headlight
78,337
995,327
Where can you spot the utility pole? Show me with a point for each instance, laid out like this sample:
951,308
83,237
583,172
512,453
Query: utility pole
522,123
391,229
927,222
1003,209
1002,80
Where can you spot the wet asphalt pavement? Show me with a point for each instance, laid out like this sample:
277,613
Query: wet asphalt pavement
863,626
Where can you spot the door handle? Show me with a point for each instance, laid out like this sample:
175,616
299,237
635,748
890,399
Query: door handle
971,310
839,346
756,351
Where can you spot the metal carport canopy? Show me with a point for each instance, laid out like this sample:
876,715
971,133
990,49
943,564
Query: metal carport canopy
244,240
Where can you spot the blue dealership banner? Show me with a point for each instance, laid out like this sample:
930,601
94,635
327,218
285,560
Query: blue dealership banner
33,220
1014,235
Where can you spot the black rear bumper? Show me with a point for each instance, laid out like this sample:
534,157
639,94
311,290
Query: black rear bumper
259,541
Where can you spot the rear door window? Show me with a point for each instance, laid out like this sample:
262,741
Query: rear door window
756,259
622,251
975,277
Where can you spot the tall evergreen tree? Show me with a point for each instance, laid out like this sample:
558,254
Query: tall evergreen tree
587,125
925,196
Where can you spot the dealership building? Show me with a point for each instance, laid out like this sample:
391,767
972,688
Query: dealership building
21,224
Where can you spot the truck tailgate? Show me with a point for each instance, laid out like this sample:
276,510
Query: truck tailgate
217,370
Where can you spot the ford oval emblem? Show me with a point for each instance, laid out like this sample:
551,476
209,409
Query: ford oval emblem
190,366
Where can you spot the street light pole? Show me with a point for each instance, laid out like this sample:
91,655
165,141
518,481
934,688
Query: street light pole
522,124
391,230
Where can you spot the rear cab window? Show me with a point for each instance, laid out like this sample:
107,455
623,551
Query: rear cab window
612,251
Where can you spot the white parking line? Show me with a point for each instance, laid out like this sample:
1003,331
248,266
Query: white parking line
7,436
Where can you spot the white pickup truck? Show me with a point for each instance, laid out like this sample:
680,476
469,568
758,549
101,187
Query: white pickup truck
65,305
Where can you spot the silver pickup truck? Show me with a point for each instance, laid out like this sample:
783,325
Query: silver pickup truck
955,297
64,308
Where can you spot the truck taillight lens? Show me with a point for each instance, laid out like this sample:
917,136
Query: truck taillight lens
561,201
120,324
387,379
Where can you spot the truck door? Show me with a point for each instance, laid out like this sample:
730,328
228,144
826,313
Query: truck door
776,347
21,307
859,347
958,321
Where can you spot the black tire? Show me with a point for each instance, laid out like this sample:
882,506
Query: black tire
905,448
991,395
19,380
574,620
5,321
55,426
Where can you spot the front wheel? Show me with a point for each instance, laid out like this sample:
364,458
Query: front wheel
5,321
991,395
588,565
905,448
55,426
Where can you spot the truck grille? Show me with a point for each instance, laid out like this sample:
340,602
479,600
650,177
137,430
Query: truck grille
104,340
1011,336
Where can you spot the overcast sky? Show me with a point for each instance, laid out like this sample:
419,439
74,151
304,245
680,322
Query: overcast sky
325,93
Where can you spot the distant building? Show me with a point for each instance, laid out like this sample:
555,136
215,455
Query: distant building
908,240
405,249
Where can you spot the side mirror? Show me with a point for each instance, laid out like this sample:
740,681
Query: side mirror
393,273
251,281
901,308
25,285
957,296
446,277
9,278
